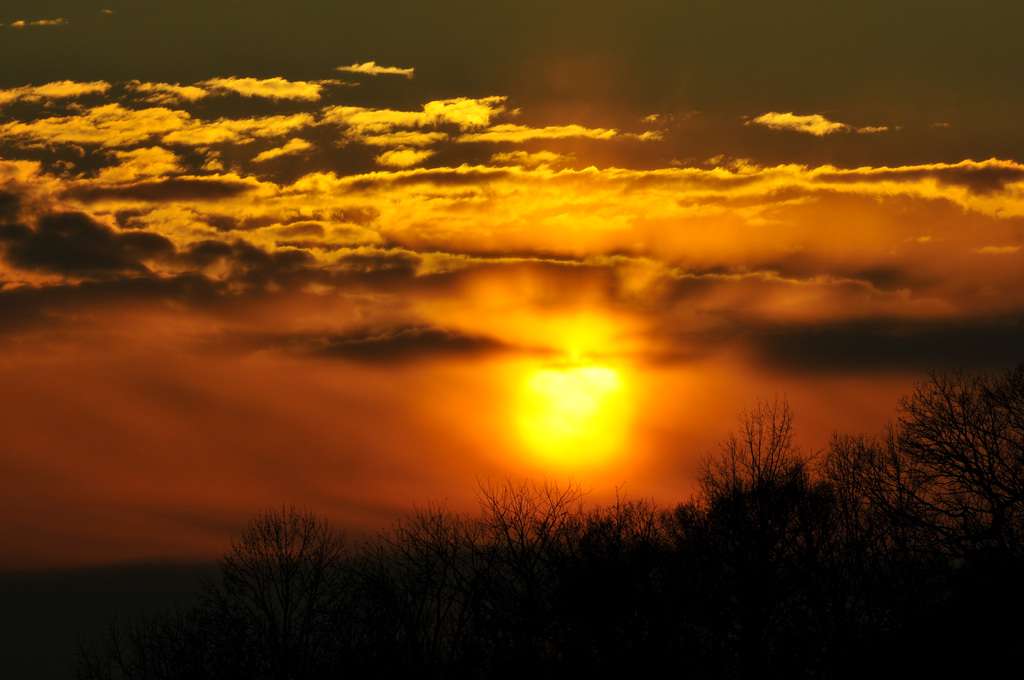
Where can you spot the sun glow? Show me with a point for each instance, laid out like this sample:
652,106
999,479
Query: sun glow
573,416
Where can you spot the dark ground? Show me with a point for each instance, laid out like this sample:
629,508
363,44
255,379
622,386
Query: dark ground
43,614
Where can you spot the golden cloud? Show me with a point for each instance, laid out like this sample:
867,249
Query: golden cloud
110,125
403,158
463,112
237,131
139,163
292,146
520,133
373,69
362,121
270,88
403,138
815,124
166,93
890,238
60,89
113,125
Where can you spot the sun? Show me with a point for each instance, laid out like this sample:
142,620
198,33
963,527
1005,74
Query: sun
573,416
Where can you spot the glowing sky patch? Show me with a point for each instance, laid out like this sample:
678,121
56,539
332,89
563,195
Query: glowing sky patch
354,256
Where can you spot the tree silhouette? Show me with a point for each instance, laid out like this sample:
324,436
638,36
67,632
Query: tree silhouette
415,595
276,613
763,527
278,605
781,564
941,514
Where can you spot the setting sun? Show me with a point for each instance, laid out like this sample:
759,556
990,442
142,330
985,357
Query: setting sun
573,416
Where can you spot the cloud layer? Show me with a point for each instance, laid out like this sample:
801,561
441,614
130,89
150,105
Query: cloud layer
247,265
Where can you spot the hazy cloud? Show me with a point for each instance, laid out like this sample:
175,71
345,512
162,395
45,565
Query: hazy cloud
404,343
526,159
917,346
998,250
39,22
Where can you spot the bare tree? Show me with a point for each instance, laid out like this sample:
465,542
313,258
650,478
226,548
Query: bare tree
761,525
416,592
277,605
761,454
962,436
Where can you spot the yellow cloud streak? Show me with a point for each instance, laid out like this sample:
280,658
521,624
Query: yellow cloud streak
166,93
814,124
463,112
291,147
270,88
61,89
520,133
115,126
373,69
403,158
21,23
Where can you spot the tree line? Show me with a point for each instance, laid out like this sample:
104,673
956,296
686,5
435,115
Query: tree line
901,551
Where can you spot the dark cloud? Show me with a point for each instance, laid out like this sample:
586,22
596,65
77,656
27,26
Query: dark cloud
73,244
206,253
252,266
978,178
165,190
406,343
892,345
30,308
380,263
10,206
146,245
356,215
259,263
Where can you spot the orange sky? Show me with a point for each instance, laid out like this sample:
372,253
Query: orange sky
364,275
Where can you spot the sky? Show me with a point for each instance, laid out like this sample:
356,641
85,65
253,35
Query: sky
364,255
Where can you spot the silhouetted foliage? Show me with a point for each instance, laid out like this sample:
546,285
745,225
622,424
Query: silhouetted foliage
781,564
937,505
